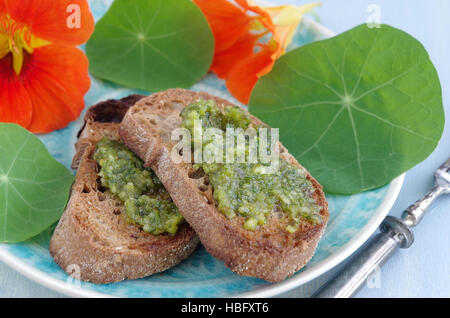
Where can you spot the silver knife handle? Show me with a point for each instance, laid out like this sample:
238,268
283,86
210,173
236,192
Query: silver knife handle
376,253
414,214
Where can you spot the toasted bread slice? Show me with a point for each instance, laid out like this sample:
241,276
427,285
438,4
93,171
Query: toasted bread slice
270,253
93,233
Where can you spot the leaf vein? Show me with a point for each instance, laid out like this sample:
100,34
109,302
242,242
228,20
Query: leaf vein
26,201
5,216
168,59
363,67
312,79
153,18
342,69
390,123
130,21
170,34
17,154
301,106
358,150
324,132
123,55
388,82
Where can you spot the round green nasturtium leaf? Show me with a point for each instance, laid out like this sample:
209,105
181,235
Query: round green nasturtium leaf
356,110
151,44
34,187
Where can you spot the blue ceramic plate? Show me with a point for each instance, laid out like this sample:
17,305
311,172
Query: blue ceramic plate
352,220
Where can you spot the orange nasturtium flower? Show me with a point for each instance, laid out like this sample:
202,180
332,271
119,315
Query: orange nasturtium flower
249,39
43,76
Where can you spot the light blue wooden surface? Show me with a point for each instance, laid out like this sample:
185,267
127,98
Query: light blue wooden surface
424,269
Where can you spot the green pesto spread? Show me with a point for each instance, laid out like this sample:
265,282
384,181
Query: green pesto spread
146,201
242,188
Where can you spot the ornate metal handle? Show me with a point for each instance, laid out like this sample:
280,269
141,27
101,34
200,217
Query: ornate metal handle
414,214
394,233
371,258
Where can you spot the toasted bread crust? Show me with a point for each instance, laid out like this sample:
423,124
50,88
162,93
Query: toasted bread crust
93,233
269,253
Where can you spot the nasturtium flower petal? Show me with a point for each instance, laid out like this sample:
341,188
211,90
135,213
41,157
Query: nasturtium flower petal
243,77
241,29
227,21
287,18
4,45
43,76
224,61
56,80
65,22
15,104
